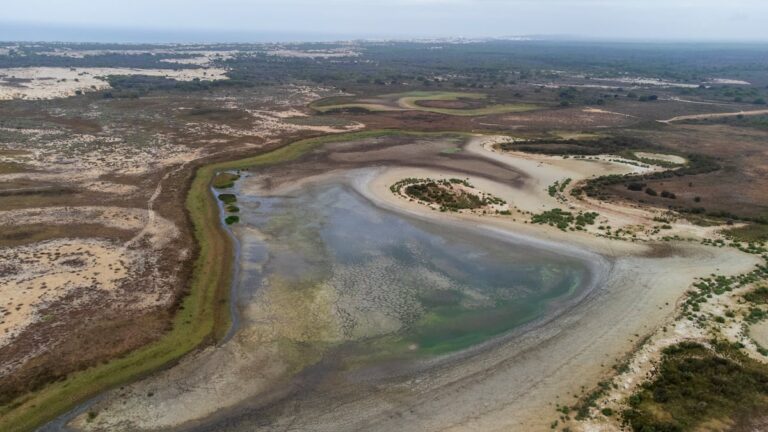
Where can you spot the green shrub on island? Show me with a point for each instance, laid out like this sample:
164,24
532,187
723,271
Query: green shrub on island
232,220
228,198
444,194
225,180
565,220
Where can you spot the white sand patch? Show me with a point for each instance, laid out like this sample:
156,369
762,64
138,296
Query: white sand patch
54,82
645,81
728,81
635,221
759,332
600,111
314,54
715,115
83,158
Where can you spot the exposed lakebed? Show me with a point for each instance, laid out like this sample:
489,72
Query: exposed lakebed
397,287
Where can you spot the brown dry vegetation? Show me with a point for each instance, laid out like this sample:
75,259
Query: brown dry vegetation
739,187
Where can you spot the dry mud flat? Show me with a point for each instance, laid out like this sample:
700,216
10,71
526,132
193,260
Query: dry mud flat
513,383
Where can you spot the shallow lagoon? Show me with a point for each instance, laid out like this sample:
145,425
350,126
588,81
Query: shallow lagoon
393,288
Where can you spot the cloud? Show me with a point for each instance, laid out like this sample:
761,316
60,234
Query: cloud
599,18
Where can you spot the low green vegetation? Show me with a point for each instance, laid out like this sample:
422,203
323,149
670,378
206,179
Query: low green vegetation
758,296
738,120
621,145
450,195
697,164
414,101
714,285
228,198
558,187
565,220
411,101
11,168
694,385
753,232
225,180
231,219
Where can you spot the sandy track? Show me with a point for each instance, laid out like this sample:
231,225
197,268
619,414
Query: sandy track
715,115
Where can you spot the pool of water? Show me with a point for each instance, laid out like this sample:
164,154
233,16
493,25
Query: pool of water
386,286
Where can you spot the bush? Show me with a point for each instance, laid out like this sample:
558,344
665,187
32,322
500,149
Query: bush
228,198
694,385
650,192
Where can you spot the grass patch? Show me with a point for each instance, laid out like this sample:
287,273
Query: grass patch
759,295
753,232
11,168
225,180
228,198
446,193
564,220
695,385
409,101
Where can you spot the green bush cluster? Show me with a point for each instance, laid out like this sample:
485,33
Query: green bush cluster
441,192
565,220
694,384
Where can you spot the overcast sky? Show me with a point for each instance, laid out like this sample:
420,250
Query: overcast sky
301,19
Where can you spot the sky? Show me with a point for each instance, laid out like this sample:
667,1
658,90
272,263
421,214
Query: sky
284,20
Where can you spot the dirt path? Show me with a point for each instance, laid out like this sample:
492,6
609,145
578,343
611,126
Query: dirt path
714,115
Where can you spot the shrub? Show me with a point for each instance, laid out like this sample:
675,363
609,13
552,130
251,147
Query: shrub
228,198
694,385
